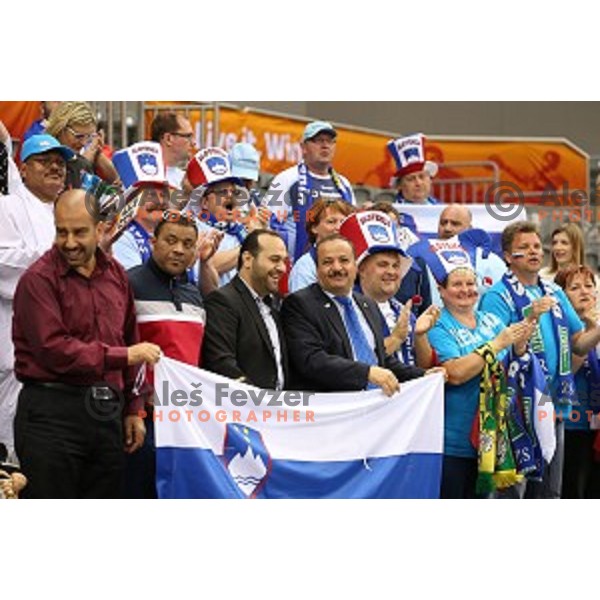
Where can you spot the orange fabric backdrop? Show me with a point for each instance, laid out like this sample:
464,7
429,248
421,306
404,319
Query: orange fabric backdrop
532,165
18,116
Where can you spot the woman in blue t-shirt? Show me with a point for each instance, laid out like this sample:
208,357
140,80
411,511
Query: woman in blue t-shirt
460,331
581,473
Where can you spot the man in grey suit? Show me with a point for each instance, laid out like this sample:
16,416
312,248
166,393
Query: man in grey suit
334,336
243,339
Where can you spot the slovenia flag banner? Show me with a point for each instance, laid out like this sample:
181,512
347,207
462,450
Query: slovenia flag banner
218,438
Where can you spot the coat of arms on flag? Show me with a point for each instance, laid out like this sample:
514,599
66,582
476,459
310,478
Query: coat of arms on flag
246,457
148,163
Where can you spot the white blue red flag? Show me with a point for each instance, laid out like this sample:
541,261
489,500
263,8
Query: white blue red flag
217,438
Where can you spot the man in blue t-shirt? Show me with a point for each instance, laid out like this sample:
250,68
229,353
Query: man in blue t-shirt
559,333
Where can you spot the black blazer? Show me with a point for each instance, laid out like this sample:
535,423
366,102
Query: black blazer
236,341
320,350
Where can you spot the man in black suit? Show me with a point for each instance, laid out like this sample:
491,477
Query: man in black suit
320,322
243,338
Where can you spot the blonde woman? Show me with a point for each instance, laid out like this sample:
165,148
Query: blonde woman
567,250
74,125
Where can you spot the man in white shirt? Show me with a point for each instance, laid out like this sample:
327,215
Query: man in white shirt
26,232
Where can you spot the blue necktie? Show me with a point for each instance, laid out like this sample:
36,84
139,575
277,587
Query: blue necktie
362,350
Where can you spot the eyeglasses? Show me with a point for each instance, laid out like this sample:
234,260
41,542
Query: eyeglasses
47,161
323,140
225,192
187,136
81,137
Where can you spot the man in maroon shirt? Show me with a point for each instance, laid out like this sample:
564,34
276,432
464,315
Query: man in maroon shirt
76,346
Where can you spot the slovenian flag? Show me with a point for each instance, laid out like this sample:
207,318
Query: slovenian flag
139,164
216,438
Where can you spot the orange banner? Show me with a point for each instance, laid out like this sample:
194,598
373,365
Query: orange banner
18,116
467,167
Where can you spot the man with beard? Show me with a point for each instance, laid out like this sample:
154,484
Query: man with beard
243,338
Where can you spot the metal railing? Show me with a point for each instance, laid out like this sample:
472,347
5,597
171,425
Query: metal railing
449,189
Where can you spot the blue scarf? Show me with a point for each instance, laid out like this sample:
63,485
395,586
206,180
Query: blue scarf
592,368
407,350
525,375
565,390
304,201
400,200
142,240
591,372
236,229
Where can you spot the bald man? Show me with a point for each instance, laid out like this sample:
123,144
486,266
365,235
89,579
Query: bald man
454,219
75,339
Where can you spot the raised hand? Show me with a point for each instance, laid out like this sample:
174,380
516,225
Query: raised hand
208,243
541,306
517,334
591,318
427,320
400,331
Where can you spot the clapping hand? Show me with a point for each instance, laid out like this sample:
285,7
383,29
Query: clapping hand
427,320
400,331
591,318
516,335
541,306
208,244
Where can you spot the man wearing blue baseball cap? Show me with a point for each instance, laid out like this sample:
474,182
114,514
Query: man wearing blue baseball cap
293,192
26,232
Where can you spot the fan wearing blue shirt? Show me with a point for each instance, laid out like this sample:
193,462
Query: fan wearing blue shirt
559,333
459,333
